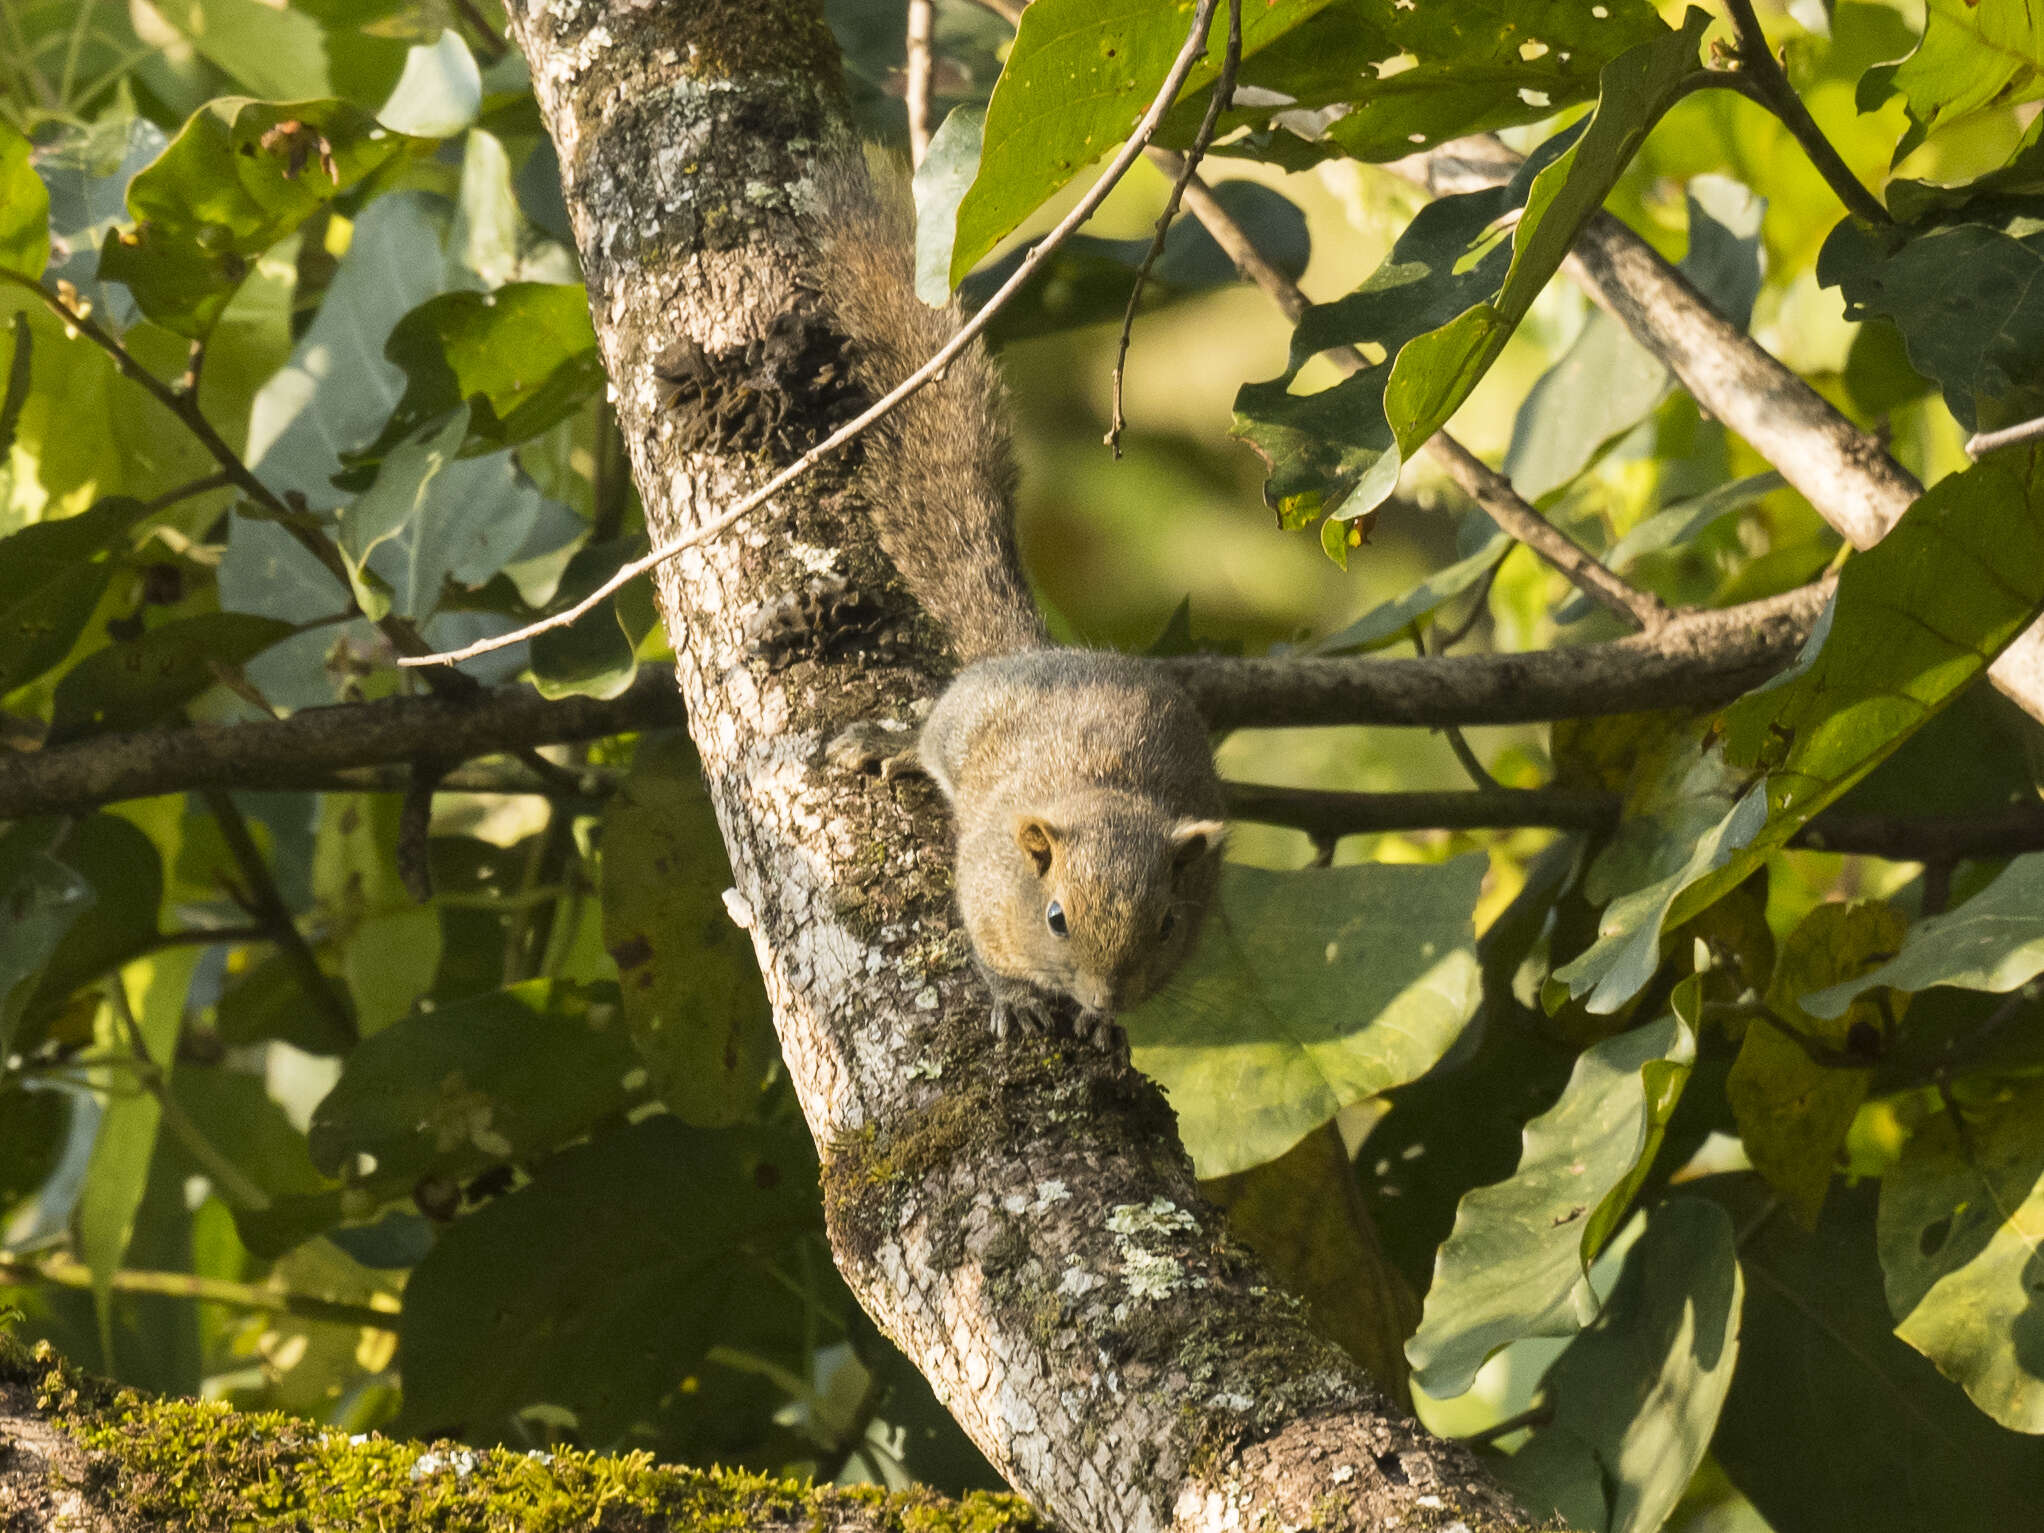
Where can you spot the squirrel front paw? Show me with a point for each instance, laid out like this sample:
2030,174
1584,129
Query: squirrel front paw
869,746
1099,1029
825,617
1026,1013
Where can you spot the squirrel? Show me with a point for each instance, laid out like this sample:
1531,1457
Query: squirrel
1081,783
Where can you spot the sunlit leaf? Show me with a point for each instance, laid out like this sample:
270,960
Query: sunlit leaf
440,91
1309,991
267,50
1962,1215
1516,1261
1974,54
24,209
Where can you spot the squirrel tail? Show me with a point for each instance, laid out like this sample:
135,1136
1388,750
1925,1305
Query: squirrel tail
939,474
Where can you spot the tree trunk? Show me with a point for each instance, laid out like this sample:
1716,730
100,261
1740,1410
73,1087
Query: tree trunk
1021,1219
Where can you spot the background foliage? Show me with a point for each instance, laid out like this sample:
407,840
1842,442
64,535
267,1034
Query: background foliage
1716,1163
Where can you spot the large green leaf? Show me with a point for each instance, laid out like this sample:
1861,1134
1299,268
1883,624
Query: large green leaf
24,209
1310,991
52,575
597,1288
1966,290
1915,619
1636,1397
1834,1426
477,1083
238,178
1793,1089
270,51
1993,942
596,655
125,873
692,993
1079,75
1515,1264
1374,80
522,358
1962,1220
1975,54
1445,301
144,680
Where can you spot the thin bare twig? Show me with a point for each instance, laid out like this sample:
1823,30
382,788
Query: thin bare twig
922,26
1217,102
1981,443
1489,489
1188,55
1761,79
63,1272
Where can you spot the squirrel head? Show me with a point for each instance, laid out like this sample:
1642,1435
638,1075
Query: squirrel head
1108,894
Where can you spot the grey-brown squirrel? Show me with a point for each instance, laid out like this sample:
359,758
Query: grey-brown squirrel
1081,783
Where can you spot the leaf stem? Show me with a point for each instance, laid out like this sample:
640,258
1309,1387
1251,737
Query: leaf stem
1761,79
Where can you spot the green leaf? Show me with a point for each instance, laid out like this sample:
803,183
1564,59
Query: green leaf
521,358
39,900
477,1083
1962,1214
52,575
141,682
1993,942
24,209
598,1287
1915,619
125,872
395,503
1309,991
1515,1263
1967,293
118,1172
440,91
1636,1397
238,178
1376,80
1434,373
1975,54
269,1001
1833,1425
944,176
594,656
1394,619
692,994
1079,75
34,1127
267,51
1793,1109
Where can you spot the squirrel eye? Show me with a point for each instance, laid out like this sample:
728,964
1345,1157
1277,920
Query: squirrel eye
1055,915
1170,920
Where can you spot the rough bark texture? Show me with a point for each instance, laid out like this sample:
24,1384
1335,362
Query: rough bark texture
1021,1220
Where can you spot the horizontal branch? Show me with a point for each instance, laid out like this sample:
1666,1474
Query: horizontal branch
63,1272
1327,815
1695,659
283,753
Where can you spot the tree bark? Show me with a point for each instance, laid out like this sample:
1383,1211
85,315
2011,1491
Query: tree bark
1021,1219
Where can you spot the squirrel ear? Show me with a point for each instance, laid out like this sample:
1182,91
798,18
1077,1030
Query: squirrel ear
1036,838
1192,838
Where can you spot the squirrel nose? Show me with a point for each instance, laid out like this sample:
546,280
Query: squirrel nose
1094,994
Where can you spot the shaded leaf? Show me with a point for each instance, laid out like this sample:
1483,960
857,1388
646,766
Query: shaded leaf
1515,1263
125,872
1833,1425
238,178
439,92
946,172
1993,942
1309,991
1393,620
1792,1108
693,1000
52,575
1962,1217
40,897
267,51
1636,1397
599,1286
477,1083
594,656
1079,75
143,681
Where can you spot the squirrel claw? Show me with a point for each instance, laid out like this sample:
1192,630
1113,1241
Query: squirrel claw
1028,1015
1099,1029
873,748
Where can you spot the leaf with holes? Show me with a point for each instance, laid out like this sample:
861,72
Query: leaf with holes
1310,991
144,680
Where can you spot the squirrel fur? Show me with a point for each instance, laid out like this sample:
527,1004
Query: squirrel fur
1081,783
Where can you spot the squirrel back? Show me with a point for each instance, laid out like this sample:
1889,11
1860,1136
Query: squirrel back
939,473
